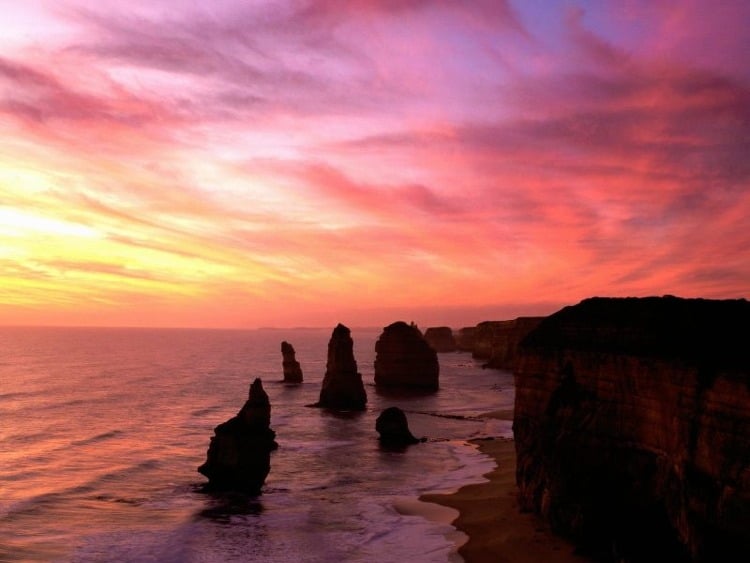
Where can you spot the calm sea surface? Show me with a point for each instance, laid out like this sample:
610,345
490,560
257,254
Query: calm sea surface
101,432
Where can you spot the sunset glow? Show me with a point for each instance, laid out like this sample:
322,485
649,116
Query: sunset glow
288,163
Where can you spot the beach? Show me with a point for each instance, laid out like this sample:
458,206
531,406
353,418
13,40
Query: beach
489,515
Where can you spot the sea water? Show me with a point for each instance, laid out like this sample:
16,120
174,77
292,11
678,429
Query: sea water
102,430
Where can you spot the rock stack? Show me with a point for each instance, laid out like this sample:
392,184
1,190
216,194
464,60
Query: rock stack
292,369
440,338
394,429
403,358
239,455
342,387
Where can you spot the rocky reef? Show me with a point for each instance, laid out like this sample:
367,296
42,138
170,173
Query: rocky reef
440,338
342,387
403,358
632,427
393,428
239,454
292,369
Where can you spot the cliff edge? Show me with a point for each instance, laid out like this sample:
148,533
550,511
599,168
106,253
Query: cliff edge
632,427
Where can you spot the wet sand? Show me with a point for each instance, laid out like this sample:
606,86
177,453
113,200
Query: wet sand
489,515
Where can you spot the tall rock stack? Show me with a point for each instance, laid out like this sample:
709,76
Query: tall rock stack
292,369
342,387
403,358
632,427
239,455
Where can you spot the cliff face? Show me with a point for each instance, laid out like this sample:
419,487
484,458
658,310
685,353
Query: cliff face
505,340
632,427
496,341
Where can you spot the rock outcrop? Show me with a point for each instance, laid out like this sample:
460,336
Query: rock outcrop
239,455
440,338
505,338
632,427
403,358
292,369
465,338
393,428
342,387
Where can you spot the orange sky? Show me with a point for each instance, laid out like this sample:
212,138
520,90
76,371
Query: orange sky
300,163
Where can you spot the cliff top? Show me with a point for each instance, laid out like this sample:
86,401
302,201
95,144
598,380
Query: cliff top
704,332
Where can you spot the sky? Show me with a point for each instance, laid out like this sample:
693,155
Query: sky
243,164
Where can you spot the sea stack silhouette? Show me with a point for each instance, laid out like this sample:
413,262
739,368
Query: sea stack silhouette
342,387
292,369
239,455
403,358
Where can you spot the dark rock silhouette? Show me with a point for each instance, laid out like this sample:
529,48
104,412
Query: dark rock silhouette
465,338
342,387
504,338
440,338
632,427
403,358
292,369
394,429
239,454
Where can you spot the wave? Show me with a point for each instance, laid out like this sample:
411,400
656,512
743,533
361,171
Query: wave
98,438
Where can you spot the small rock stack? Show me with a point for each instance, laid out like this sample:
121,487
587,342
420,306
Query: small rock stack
292,369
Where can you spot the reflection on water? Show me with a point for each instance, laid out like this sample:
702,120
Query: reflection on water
106,428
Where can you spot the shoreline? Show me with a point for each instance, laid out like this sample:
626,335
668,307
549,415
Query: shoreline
488,514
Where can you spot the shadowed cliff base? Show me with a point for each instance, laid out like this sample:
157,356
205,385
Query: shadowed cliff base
632,425
489,514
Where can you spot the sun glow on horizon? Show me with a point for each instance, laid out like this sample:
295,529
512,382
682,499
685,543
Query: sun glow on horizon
302,163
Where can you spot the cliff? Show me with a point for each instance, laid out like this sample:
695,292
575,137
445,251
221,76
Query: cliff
506,337
496,341
632,427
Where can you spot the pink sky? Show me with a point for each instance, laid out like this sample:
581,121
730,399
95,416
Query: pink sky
298,163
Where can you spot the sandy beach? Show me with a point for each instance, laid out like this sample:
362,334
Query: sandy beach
489,515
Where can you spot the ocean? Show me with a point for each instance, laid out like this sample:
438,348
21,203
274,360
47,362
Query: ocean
102,430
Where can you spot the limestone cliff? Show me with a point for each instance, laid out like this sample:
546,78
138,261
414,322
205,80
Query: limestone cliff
632,427
505,340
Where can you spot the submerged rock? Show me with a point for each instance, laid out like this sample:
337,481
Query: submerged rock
292,369
342,387
440,338
239,455
394,428
403,358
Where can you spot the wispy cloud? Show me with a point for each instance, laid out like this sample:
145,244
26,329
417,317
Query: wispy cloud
316,155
